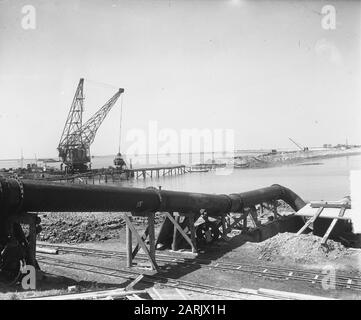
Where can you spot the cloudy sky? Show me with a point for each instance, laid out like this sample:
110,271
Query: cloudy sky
266,69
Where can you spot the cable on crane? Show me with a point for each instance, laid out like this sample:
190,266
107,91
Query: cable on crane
120,122
102,84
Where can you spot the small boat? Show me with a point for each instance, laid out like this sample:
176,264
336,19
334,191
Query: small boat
241,164
198,169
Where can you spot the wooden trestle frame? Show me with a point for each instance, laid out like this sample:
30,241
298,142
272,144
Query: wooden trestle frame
149,234
175,218
345,204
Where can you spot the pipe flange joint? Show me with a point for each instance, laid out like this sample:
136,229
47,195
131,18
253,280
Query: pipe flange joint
236,202
21,191
159,194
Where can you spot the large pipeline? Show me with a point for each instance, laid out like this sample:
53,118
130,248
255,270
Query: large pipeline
18,196
35,196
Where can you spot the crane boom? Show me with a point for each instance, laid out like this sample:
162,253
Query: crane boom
90,128
299,146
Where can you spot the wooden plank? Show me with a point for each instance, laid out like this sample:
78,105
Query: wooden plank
134,297
290,295
306,225
179,228
332,225
329,213
46,250
91,295
134,282
344,203
141,242
167,294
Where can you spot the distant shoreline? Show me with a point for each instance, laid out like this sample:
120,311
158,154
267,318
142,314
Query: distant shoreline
283,159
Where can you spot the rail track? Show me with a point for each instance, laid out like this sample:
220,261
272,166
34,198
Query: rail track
152,279
341,281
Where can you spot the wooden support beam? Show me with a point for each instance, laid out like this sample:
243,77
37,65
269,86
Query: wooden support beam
253,216
253,221
330,204
274,209
151,230
331,226
137,247
141,242
244,227
308,223
179,228
224,227
174,242
128,235
192,229
236,220
32,238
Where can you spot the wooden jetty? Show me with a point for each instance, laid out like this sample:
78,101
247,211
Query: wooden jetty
156,171
99,176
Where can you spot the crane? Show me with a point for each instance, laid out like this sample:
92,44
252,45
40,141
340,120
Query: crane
299,146
76,138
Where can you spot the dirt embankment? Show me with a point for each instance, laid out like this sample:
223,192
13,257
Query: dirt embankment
83,227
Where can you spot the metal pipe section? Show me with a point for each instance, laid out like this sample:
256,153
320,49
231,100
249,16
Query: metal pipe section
36,196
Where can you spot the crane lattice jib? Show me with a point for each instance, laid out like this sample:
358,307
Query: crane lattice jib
74,120
88,130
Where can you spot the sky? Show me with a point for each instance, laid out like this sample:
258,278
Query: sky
265,69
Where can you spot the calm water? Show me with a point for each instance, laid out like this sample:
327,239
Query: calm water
328,181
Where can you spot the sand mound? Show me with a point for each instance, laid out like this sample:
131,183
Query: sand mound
299,248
